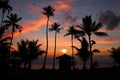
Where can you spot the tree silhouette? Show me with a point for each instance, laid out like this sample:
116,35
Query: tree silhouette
29,51
91,27
4,47
5,7
22,50
48,11
115,54
72,31
55,27
13,22
34,51
83,52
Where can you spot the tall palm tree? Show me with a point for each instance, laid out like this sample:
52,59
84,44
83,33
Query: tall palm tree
13,22
48,11
5,7
73,32
91,27
115,54
34,51
55,27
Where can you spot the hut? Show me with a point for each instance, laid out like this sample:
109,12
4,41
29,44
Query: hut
65,62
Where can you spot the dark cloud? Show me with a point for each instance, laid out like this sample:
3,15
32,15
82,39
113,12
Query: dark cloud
110,19
70,18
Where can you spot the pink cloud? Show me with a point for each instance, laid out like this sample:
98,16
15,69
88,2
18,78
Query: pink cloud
60,5
33,25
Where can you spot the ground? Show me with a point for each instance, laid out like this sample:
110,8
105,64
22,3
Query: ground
48,74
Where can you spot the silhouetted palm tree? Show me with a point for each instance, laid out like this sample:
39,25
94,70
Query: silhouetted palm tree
22,50
5,7
91,27
83,52
34,51
115,54
48,11
73,32
13,22
55,27
4,46
29,50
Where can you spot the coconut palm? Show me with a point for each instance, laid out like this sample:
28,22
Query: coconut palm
73,32
28,51
48,11
115,54
91,27
55,27
22,50
83,52
5,7
34,51
4,46
13,22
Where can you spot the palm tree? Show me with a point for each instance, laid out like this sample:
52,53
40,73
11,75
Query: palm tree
22,50
48,11
13,22
91,27
83,52
73,32
28,51
4,45
55,27
115,54
33,51
5,7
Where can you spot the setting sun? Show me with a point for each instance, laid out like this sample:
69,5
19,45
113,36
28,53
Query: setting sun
64,51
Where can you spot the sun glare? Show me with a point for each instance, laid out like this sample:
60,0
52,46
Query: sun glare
64,51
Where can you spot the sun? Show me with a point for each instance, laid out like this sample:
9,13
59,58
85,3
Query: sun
64,50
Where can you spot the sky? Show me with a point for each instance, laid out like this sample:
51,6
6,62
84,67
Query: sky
68,13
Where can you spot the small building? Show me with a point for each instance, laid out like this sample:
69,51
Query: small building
65,62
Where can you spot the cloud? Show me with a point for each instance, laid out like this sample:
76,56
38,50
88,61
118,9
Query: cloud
33,25
33,8
59,6
108,41
70,18
110,19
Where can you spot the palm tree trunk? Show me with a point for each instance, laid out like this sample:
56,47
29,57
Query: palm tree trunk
72,52
11,40
46,44
2,18
91,59
54,51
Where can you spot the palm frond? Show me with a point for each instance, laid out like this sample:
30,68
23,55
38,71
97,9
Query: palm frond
100,33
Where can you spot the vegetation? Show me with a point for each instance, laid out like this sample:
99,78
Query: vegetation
13,22
115,54
90,27
48,11
56,28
